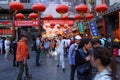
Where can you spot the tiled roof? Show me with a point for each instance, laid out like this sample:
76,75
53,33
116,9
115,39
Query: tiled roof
113,8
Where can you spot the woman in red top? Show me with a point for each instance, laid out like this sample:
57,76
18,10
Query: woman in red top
21,56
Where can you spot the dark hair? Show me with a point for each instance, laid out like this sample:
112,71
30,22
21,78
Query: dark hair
106,59
23,35
83,42
59,35
95,41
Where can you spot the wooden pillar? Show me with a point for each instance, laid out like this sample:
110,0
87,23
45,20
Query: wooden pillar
103,26
39,23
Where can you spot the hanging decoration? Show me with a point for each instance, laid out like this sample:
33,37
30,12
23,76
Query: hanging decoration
89,16
48,17
19,16
33,16
101,8
62,9
81,27
81,9
16,6
77,17
38,7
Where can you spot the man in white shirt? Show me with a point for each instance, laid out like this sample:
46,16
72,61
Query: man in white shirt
60,52
7,48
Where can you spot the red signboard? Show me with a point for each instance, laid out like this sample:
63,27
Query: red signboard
58,21
6,31
27,23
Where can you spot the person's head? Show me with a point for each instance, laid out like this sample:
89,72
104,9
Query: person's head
60,37
101,57
96,43
85,43
78,39
23,36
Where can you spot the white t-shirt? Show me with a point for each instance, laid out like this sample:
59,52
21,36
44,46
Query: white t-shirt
7,44
104,75
60,46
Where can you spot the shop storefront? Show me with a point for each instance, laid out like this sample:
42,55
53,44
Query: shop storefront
112,23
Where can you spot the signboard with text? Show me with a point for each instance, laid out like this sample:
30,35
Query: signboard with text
93,29
27,23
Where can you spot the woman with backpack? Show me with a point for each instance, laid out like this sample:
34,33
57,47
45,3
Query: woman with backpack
82,60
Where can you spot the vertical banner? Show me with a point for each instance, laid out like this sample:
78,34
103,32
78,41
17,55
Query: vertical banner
81,27
93,29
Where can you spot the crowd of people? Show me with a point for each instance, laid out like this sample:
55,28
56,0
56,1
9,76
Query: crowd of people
90,58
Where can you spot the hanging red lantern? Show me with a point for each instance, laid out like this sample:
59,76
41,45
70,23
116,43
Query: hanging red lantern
38,7
77,17
62,9
52,25
33,15
19,16
82,8
48,17
101,8
61,24
58,27
65,27
64,17
89,16
16,6
71,24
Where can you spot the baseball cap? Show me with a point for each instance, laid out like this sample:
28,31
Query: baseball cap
78,37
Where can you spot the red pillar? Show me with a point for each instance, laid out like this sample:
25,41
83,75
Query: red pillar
13,29
104,1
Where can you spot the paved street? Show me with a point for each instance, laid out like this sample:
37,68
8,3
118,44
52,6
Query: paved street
47,70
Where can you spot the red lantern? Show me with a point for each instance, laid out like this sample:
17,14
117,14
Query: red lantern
62,9
101,8
61,24
38,7
58,27
52,25
81,8
64,17
65,27
48,17
89,16
77,17
33,15
71,24
16,6
19,16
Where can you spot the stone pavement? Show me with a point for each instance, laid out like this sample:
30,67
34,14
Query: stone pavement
47,71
